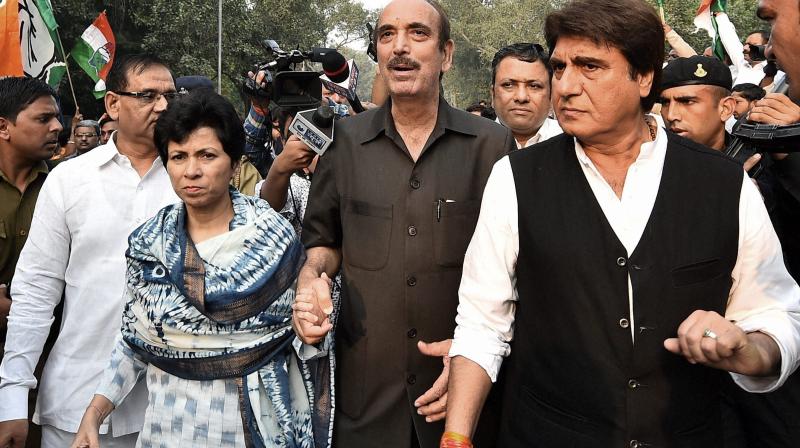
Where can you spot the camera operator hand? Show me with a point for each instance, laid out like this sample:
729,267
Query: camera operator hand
294,157
778,109
775,108
261,104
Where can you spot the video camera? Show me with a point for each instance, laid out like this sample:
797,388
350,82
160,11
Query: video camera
298,92
288,88
757,52
752,138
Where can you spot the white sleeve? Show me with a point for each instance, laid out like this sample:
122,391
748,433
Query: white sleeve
487,296
36,289
764,297
730,40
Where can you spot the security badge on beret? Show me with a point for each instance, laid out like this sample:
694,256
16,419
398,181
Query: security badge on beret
696,70
700,72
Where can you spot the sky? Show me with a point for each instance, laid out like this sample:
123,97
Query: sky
369,4
374,4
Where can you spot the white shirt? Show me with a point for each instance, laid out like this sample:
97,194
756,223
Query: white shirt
79,234
550,128
763,296
741,70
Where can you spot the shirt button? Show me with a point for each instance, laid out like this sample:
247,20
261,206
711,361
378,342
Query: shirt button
411,379
415,183
23,232
633,384
621,261
411,281
412,333
412,231
624,323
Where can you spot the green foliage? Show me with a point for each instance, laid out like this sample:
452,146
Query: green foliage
679,14
184,34
480,28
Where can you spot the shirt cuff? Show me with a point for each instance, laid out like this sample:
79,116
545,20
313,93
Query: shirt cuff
307,352
14,403
481,349
780,328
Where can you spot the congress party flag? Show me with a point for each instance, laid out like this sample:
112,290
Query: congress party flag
39,44
705,20
94,52
11,62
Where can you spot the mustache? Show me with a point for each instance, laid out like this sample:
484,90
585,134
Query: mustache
402,61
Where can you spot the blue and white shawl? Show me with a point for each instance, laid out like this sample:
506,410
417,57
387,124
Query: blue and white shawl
230,319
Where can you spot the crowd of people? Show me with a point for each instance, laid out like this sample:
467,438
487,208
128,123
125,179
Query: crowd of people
580,261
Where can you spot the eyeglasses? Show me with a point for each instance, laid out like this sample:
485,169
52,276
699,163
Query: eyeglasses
151,97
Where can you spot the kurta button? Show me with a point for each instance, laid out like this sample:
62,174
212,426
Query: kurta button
415,183
412,333
412,379
411,281
633,384
412,231
624,323
621,261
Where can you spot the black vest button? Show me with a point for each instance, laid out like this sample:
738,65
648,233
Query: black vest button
633,384
412,333
412,379
412,231
411,281
621,261
634,444
624,323
415,183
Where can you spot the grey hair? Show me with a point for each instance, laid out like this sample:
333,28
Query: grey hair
89,124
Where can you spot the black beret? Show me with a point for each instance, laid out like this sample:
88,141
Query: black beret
193,82
696,70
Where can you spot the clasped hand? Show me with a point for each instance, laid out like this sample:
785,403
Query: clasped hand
312,309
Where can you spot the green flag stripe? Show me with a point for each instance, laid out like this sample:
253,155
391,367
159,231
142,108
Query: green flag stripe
82,53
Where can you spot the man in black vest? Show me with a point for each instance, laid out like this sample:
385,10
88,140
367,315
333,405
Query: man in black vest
631,267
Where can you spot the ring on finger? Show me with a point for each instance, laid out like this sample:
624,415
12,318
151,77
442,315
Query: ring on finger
707,333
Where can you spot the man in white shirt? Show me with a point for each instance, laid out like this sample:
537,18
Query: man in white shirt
76,246
632,268
744,68
521,93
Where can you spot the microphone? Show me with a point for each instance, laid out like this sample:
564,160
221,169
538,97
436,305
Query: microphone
341,76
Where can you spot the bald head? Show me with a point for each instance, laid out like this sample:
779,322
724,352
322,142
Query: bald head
443,25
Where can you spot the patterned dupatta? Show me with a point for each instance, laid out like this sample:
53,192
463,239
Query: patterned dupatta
229,316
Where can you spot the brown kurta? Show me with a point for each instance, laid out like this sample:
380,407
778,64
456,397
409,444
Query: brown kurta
403,228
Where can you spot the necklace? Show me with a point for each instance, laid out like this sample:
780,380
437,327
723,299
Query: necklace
651,126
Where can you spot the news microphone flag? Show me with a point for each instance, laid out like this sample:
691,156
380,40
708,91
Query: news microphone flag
94,52
705,20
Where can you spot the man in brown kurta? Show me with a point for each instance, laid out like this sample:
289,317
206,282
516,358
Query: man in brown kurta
395,201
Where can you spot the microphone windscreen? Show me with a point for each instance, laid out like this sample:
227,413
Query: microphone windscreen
334,65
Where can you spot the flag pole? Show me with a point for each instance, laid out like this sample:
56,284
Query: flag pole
661,13
219,50
66,65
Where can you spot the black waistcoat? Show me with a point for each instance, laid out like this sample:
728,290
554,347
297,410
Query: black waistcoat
575,377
